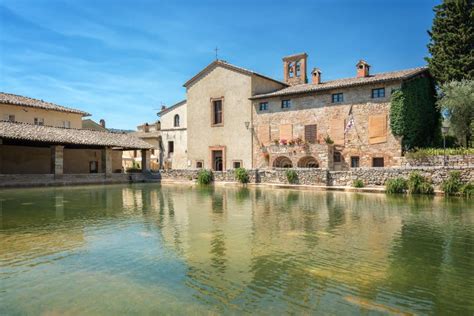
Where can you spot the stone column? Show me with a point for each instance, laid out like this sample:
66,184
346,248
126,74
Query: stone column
57,160
107,160
146,155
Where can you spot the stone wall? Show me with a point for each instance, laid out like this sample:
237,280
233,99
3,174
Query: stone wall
324,177
436,161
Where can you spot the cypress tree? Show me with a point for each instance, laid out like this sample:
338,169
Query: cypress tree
452,41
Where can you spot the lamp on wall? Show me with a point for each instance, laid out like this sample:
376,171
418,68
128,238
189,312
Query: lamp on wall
247,125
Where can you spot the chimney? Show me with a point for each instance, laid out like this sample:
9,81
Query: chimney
163,107
294,69
102,123
316,76
362,69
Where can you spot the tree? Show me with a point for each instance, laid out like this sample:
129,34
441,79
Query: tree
452,41
457,103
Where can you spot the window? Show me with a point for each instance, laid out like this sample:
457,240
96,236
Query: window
217,118
310,133
237,164
67,124
337,157
263,106
39,121
9,117
378,93
134,154
285,104
199,164
337,98
355,162
170,148
176,120
377,162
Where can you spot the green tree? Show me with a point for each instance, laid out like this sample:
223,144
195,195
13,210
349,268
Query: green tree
457,103
452,41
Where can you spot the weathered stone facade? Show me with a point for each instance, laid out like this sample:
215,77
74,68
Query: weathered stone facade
331,120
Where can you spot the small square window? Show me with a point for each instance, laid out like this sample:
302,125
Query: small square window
378,93
377,162
67,124
285,104
337,98
337,156
263,106
39,121
199,164
237,164
355,162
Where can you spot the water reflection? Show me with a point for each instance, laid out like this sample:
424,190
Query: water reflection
230,249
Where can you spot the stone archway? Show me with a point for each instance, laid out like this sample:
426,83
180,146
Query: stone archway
308,162
282,162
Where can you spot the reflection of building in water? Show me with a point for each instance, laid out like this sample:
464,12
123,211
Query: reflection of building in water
215,244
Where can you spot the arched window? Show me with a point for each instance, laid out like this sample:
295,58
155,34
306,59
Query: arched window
282,162
176,120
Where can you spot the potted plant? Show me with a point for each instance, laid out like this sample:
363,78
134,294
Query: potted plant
283,142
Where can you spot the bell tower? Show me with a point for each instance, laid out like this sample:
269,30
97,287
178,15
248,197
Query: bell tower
294,69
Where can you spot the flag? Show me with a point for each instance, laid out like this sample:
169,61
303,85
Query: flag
350,122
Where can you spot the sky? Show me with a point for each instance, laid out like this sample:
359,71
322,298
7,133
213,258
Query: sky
120,60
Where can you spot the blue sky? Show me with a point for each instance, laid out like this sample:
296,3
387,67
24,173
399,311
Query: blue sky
120,60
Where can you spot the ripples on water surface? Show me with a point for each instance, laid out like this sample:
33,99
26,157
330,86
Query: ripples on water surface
188,250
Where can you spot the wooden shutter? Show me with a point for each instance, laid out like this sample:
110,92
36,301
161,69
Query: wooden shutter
377,129
263,134
336,131
286,132
310,133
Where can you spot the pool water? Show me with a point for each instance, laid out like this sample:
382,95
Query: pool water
169,249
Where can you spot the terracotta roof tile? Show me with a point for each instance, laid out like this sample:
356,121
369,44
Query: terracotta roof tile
13,99
59,135
344,83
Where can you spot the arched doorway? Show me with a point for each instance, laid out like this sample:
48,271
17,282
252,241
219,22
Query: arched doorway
282,162
308,162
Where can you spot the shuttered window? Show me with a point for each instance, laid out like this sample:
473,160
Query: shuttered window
310,133
337,131
264,134
377,129
286,132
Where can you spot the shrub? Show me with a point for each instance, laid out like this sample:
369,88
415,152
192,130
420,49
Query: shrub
242,175
291,176
358,183
453,184
396,185
204,176
423,153
417,184
468,190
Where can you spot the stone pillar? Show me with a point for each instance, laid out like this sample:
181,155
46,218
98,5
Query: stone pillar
107,160
146,155
57,160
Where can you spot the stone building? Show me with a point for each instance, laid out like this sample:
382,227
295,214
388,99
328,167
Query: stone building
219,115
239,118
42,138
335,124
174,136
